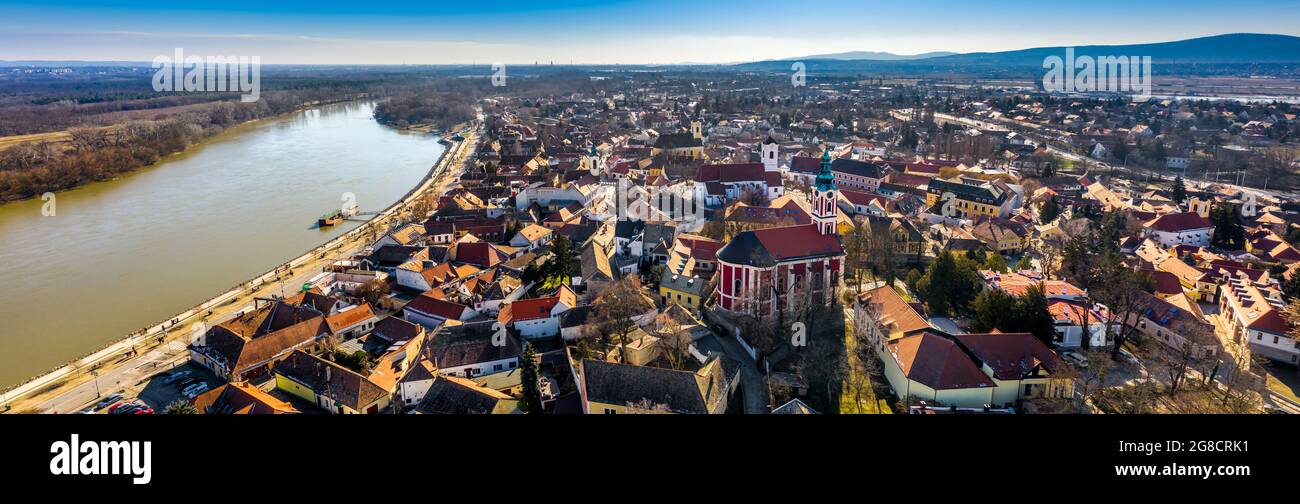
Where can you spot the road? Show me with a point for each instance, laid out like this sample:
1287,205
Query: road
753,384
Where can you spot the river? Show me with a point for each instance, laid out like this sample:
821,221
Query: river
121,255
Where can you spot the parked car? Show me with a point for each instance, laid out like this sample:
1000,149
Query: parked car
196,384
197,389
144,409
127,409
118,406
187,381
178,375
107,401
1076,358
1132,359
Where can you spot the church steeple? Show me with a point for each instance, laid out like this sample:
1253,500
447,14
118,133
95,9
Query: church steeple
824,197
826,179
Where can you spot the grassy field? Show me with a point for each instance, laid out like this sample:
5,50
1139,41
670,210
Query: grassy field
1281,387
52,137
858,396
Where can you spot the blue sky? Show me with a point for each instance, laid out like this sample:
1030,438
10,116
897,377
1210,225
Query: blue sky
665,31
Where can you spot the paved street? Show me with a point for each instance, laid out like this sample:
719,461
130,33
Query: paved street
755,386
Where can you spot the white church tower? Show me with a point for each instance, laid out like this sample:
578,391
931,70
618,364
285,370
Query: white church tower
771,155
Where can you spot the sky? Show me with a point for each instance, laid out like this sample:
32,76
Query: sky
601,32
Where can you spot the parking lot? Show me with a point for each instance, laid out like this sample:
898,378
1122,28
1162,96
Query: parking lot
153,391
158,394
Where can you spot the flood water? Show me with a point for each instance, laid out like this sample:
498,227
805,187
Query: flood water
121,255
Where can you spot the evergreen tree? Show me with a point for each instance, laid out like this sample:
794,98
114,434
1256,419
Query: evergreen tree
992,309
1291,287
1050,211
180,407
1228,231
1032,315
995,262
1179,190
532,400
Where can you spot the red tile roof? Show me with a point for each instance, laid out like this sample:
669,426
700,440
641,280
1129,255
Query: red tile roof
1011,355
937,362
1182,221
480,254
430,305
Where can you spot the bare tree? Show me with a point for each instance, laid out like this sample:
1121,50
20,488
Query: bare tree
1092,379
674,339
857,251
1184,351
615,310
1125,300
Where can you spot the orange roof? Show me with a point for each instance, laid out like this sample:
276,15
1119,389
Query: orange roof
896,315
240,398
350,317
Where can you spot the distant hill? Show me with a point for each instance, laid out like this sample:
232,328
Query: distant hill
1228,48
874,56
1232,48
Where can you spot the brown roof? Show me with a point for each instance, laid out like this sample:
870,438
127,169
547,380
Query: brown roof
396,330
467,344
480,254
241,353
450,395
430,305
331,380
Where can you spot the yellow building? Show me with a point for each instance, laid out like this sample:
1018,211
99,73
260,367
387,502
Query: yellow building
334,388
969,201
688,291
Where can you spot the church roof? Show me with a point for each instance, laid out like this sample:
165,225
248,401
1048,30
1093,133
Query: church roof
767,247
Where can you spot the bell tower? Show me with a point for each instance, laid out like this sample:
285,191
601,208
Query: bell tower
769,150
824,197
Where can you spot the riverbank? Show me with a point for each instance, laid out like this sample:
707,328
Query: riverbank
120,152
141,346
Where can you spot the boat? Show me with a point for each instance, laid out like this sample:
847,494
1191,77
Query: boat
330,218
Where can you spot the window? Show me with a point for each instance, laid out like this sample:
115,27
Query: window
1275,340
610,411
496,367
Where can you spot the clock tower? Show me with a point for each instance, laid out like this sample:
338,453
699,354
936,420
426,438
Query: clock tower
824,197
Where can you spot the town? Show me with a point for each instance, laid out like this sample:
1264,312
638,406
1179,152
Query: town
709,244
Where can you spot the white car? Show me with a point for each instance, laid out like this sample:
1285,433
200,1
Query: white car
195,390
1075,358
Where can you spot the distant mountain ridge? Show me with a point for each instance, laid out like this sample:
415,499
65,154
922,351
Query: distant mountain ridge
1227,48
877,56
1231,48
